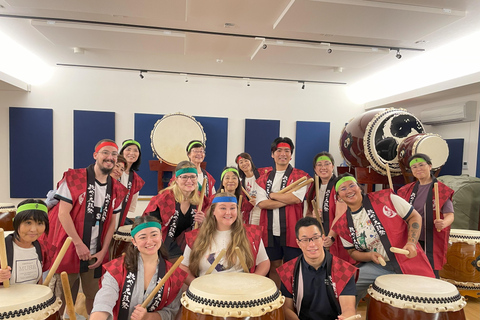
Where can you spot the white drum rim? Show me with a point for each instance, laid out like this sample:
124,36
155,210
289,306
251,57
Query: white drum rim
445,300
378,164
7,207
123,233
463,285
232,305
165,117
435,162
464,235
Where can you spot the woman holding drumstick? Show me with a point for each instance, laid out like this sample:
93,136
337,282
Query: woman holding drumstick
421,194
222,230
26,257
129,279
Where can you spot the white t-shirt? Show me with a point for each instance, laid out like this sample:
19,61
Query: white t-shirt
26,266
221,240
200,179
277,183
366,234
133,204
251,188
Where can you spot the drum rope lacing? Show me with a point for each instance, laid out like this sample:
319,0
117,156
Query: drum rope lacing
465,237
123,234
7,207
403,297
233,304
29,310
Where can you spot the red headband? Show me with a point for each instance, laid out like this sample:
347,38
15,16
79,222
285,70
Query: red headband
106,144
238,159
283,145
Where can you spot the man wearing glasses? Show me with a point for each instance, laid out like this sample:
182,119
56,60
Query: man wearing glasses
317,285
88,199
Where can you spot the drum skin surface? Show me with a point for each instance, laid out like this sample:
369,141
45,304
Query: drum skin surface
463,258
120,242
427,143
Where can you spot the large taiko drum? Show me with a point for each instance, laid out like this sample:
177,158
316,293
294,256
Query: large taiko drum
7,213
372,139
28,301
463,259
172,133
229,295
121,239
427,143
401,296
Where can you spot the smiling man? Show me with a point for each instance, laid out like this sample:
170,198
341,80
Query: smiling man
317,285
280,211
87,200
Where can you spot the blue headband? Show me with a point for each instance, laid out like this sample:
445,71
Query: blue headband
224,199
145,225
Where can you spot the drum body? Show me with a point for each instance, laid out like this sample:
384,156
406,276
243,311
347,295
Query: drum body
399,296
121,240
372,139
7,213
29,301
427,143
232,296
463,259
172,133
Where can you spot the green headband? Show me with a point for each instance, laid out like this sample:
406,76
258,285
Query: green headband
131,142
186,170
32,206
194,143
323,158
228,170
416,160
344,179
145,225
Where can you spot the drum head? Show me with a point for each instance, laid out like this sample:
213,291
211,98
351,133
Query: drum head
467,236
416,292
172,133
123,233
7,207
435,147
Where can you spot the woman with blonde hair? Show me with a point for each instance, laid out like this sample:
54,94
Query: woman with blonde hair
176,208
223,228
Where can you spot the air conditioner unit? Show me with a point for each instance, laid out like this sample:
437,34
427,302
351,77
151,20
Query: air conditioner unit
449,114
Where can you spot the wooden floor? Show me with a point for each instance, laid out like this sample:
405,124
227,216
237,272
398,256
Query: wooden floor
472,309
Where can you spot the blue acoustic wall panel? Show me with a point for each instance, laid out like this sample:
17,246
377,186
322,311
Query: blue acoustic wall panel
89,127
311,138
143,128
259,134
31,152
454,163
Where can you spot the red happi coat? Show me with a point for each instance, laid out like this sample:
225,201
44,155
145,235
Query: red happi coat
245,208
254,235
76,180
137,185
294,212
396,230
165,202
440,239
171,288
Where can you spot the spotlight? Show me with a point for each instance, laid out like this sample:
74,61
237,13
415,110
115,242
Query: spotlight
265,47
329,50
186,78
303,85
141,74
398,55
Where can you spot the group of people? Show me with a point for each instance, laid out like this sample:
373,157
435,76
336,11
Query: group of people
322,258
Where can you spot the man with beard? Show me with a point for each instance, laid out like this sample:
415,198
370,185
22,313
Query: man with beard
88,199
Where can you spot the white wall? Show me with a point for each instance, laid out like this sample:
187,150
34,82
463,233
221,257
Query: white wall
125,93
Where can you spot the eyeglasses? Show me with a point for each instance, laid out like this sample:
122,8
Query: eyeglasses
321,165
107,153
351,186
185,178
314,239
198,151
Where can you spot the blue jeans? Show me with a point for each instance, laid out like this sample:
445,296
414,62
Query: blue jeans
369,271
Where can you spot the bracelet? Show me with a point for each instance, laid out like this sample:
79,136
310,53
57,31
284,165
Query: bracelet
332,238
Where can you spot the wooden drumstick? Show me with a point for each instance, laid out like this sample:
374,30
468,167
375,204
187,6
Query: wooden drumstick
217,260
293,185
162,282
202,195
246,193
382,261
317,214
3,256
389,176
357,316
317,188
398,250
301,185
57,261
242,259
239,205
437,203
67,293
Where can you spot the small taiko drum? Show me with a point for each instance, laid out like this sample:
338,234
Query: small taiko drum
172,133
401,296
427,143
230,295
463,260
28,301
7,213
372,139
121,239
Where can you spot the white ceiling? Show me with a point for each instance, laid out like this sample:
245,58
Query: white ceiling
190,36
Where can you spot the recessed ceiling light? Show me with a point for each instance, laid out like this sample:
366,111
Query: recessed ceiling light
219,60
